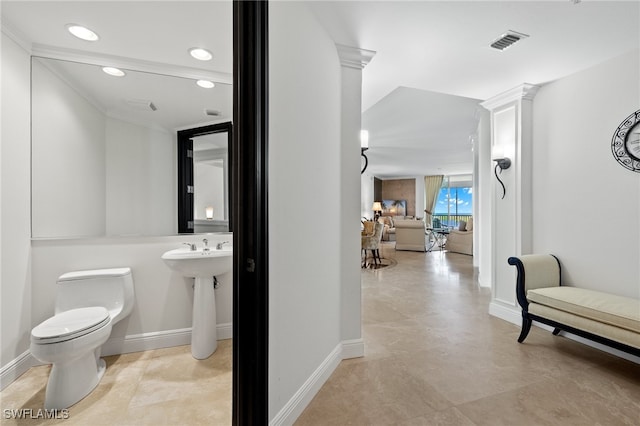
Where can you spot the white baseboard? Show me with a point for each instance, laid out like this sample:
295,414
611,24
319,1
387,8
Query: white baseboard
352,348
117,346
225,331
158,340
146,341
511,315
292,409
482,282
515,317
15,369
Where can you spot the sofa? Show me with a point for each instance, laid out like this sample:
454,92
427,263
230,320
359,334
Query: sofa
460,240
389,232
410,234
605,318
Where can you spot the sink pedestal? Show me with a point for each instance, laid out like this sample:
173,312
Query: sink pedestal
204,333
202,264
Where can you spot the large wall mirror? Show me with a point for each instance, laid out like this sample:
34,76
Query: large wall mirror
105,150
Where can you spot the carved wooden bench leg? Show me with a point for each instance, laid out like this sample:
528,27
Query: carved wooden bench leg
526,326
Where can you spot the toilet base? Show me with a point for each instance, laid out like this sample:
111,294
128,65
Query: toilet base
70,381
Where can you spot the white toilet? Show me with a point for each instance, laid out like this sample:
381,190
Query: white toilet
88,303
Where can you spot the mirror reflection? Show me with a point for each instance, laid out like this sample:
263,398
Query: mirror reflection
104,149
210,161
204,178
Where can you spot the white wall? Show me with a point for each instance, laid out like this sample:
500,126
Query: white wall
164,298
15,248
68,135
304,188
585,205
366,194
140,180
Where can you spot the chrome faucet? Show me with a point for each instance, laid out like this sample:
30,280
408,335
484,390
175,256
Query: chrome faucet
219,245
206,244
192,247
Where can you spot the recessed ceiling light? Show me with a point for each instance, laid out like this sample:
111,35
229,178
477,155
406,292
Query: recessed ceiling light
205,84
201,54
113,71
81,32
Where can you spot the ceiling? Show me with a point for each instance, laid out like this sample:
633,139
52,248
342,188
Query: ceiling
433,59
420,92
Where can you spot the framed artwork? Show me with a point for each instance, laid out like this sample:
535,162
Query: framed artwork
394,207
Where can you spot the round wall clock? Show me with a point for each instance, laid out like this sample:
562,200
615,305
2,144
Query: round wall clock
625,144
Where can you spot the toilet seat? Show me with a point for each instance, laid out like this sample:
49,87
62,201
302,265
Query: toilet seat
70,324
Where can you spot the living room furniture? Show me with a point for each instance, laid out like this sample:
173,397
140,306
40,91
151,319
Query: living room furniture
389,230
436,237
372,242
410,235
604,318
461,240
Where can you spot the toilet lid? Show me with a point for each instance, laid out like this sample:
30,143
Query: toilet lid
71,324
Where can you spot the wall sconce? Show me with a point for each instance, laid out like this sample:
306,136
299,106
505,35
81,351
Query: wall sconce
209,212
364,145
377,210
502,163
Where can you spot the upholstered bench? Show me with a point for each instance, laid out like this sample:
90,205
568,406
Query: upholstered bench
605,318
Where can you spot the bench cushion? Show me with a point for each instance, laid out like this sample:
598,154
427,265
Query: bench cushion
599,328
623,312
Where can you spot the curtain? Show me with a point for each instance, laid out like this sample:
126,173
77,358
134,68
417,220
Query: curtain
432,186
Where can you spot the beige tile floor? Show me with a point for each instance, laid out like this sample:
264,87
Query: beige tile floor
433,357
159,387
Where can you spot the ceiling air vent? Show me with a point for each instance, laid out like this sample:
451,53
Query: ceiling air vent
507,39
141,104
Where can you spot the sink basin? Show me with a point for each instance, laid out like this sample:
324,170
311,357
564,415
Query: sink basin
203,266
199,263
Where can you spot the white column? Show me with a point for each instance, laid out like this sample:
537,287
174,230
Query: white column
483,201
511,124
352,60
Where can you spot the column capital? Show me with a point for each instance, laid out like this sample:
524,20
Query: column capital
354,57
523,92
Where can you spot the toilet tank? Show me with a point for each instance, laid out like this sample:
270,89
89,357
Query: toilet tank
110,288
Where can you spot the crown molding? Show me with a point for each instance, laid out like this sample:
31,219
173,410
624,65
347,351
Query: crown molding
16,35
523,92
53,52
354,57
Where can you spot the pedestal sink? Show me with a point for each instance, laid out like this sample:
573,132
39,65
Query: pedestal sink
202,265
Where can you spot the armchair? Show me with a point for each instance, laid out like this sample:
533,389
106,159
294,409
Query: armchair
372,242
461,240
